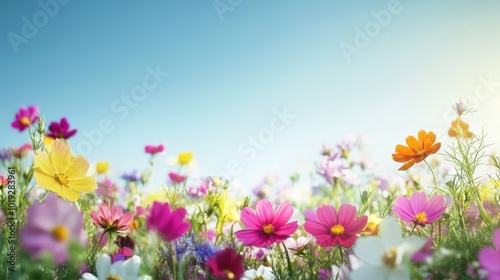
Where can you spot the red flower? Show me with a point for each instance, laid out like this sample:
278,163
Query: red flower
226,265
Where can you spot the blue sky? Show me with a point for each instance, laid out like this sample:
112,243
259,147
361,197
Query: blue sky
230,71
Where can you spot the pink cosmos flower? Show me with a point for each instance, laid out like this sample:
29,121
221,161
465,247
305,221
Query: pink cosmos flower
51,227
4,181
334,227
418,209
264,226
106,188
153,150
488,257
111,220
169,224
60,129
25,117
176,178
21,151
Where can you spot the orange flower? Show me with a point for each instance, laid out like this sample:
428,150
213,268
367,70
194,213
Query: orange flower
417,150
459,128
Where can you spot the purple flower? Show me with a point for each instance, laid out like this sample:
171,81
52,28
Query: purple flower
106,188
488,257
425,252
50,227
4,155
418,209
133,176
25,117
332,167
169,224
60,129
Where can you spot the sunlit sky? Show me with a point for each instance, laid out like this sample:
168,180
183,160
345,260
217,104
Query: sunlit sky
233,64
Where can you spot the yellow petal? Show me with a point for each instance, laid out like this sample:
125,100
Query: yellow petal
77,168
42,161
83,184
46,181
60,155
68,194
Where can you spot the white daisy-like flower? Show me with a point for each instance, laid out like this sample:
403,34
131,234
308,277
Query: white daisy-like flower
262,273
385,257
120,270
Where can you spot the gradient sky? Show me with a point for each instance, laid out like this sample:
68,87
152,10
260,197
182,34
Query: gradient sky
230,71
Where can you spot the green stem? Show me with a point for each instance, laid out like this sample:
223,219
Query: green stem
174,259
433,175
289,263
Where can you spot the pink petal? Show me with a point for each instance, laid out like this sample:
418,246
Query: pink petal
288,229
265,211
251,237
316,228
489,259
357,226
496,239
283,214
347,240
250,219
327,215
418,202
403,209
347,214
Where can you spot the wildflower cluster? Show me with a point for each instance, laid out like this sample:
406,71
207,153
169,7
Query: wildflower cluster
438,220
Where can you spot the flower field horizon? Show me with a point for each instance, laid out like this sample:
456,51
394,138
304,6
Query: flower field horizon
64,218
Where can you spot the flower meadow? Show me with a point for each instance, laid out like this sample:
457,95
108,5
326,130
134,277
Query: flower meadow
63,218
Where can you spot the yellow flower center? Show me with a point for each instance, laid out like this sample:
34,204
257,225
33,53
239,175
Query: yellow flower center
61,179
25,121
229,274
113,277
268,228
60,233
420,152
337,230
389,257
420,218
259,278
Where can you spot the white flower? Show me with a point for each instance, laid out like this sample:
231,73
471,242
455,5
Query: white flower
263,273
120,270
385,257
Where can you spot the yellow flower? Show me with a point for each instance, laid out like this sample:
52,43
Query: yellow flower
372,226
101,167
184,158
60,172
47,142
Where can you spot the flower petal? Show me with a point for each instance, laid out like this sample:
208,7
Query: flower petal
327,215
250,219
82,184
283,214
265,211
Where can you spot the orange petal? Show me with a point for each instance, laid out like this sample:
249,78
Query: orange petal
407,165
401,158
429,141
403,150
434,148
422,136
412,143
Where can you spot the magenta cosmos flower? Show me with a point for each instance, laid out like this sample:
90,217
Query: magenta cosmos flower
169,224
25,117
50,227
332,227
153,150
60,130
226,264
264,226
488,257
418,209
176,178
111,220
